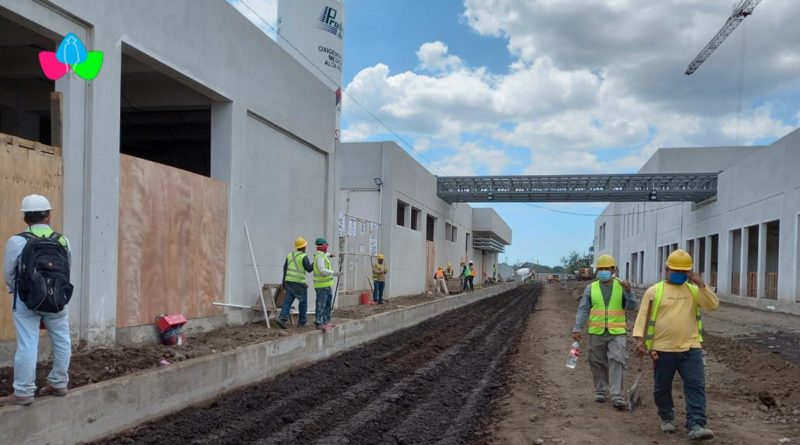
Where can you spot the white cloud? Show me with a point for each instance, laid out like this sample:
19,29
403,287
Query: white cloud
594,86
433,57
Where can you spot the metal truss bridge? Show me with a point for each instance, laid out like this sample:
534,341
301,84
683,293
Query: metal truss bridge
694,187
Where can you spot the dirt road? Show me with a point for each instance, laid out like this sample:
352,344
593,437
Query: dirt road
553,404
432,383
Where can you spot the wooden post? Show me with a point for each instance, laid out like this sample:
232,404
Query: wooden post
56,121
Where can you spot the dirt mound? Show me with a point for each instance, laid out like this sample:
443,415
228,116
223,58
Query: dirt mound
431,382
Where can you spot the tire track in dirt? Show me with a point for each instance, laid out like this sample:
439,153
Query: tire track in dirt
443,369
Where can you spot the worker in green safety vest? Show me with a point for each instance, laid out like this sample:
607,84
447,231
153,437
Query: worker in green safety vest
603,304
669,328
323,285
294,283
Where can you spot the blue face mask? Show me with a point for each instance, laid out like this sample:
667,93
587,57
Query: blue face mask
604,275
678,277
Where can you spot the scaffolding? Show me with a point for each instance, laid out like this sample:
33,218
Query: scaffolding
662,187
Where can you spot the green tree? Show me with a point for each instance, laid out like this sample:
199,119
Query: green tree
574,260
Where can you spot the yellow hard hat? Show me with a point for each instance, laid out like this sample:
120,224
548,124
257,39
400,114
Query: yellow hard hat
679,260
605,261
299,243
380,256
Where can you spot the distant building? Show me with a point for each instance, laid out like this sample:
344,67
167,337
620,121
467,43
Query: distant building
745,242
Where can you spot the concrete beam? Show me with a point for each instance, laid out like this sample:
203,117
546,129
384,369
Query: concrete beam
96,411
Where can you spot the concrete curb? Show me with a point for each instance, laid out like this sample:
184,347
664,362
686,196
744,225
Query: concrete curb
96,411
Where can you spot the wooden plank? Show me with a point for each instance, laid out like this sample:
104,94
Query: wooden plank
56,120
22,172
172,242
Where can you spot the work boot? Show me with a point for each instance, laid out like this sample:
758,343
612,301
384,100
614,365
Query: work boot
281,323
667,427
50,391
700,433
14,399
600,398
619,404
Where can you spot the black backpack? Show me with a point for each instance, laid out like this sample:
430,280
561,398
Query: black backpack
42,280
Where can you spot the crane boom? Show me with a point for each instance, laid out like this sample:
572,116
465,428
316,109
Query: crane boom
742,10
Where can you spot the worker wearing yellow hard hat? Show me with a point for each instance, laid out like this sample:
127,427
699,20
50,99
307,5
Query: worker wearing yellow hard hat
603,305
379,272
294,283
669,327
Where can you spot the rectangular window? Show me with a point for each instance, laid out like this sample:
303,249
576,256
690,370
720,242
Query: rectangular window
415,218
401,213
430,227
454,237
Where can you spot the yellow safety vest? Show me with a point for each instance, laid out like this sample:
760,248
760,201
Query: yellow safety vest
651,324
295,273
321,281
378,272
611,317
44,232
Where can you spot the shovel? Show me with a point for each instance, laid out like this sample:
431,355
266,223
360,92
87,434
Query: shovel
634,396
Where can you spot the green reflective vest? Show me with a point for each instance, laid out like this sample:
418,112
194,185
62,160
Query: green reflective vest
611,317
651,324
294,267
46,231
320,280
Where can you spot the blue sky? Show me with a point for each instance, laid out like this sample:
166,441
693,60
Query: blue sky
573,86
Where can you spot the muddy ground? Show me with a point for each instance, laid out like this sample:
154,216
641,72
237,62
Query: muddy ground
432,383
96,365
550,404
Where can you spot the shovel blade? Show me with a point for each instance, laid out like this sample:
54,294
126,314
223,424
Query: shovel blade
634,397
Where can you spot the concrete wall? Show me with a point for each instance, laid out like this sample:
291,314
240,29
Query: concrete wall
265,104
756,185
133,399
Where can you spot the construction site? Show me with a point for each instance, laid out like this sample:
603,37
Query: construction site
182,185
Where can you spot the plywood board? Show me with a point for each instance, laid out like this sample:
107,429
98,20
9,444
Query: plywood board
172,242
25,167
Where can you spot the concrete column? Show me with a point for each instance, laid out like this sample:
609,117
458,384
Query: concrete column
761,272
222,119
707,261
696,255
725,262
101,196
743,263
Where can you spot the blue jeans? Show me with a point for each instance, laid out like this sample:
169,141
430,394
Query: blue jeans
689,365
323,310
377,291
300,292
27,324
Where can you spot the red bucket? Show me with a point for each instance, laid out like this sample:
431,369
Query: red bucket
365,298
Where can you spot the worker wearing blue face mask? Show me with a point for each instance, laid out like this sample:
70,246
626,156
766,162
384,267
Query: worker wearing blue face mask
671,331
603,304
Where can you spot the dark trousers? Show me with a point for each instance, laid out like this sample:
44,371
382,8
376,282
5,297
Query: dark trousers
295,291
377,291
689,365
470,285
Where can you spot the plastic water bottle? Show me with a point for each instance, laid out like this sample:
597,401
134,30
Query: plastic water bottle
574,352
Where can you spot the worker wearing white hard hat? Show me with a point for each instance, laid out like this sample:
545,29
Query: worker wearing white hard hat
36,214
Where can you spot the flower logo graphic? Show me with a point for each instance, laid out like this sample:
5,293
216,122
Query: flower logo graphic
71,53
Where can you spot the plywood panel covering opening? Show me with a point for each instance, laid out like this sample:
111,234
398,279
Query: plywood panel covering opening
172,242
25,167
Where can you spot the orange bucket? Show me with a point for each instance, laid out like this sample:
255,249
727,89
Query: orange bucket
365,298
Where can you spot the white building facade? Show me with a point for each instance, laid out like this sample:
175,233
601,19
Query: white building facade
745,242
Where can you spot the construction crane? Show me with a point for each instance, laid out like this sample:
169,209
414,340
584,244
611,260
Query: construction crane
740,11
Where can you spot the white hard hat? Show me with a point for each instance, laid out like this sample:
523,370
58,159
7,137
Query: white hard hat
35,203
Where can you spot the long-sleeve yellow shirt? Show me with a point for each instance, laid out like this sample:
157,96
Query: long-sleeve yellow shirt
676,324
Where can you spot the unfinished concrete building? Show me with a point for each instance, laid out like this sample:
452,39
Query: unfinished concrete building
745,241
185,135
388,203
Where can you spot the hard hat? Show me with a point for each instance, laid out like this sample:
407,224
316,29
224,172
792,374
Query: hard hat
320,241
471,262
299,243
380,256
605,261
679,260
35,203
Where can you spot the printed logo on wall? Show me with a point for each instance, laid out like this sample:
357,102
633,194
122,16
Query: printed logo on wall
71,53
328,23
